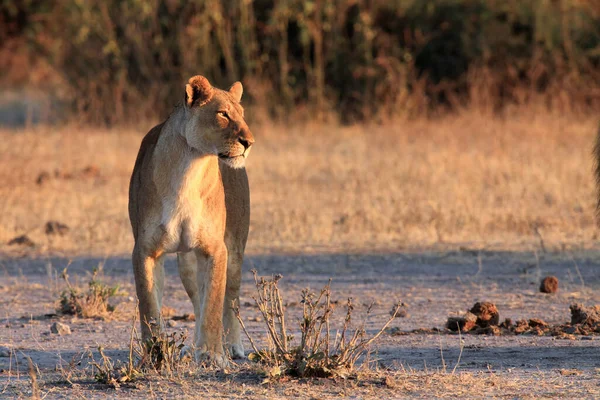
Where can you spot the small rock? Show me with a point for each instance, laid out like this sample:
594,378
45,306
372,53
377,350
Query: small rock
56,228
549,284
5,351
130,299
60,329
22,240
536,322
538,330
584,315
487,314
571,330
522,326
401,313
465,322
171,323
506,324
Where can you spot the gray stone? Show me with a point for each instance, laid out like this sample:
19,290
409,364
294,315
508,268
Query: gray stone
171,323
5,351
60,329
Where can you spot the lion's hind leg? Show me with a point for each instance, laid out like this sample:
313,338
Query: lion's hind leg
231,325
190,277
188,272
202,276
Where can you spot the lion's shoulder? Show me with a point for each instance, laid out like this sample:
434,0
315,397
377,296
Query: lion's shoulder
148,143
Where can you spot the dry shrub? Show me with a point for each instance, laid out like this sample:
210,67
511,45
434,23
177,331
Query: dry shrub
113,373
160,354
315,354
92,303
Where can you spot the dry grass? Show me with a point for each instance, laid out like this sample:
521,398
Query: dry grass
317,353
86,303
469,178
160,355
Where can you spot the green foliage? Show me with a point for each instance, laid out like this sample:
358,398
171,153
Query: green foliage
127,59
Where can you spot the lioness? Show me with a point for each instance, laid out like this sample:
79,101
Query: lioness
189,195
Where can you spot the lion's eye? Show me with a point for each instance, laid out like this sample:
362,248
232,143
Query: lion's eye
223,114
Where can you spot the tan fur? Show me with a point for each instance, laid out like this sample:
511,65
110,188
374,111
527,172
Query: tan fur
189,195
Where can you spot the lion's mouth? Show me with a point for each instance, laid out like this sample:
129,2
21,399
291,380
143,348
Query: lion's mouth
224,156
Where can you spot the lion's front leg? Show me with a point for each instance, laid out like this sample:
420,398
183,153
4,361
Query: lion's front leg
149,283
208,338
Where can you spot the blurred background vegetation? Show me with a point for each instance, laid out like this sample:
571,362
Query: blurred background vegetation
114,61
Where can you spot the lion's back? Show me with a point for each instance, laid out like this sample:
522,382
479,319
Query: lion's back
138,179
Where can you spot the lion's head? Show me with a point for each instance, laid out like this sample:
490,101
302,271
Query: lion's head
214,121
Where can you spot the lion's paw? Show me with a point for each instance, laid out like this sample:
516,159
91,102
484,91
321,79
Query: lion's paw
211,358
237,351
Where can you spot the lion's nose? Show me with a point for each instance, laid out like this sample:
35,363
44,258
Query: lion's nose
246,141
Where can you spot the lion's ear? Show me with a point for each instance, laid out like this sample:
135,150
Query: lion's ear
236,91
198,91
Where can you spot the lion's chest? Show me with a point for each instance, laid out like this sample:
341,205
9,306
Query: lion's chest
185,217
181,223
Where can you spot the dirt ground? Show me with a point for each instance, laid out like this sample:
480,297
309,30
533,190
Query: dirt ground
433,285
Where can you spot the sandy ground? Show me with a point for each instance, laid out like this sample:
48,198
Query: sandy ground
432,284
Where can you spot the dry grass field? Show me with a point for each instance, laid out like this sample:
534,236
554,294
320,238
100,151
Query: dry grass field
470,179
435,213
